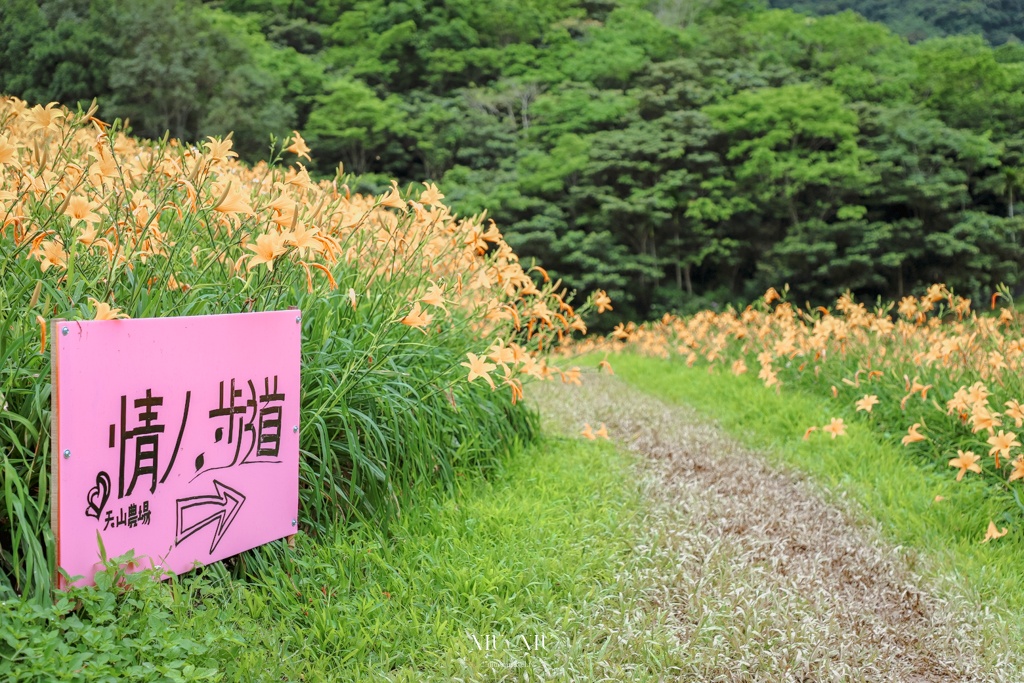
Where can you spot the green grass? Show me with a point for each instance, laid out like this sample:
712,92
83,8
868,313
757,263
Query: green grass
889,485
522,574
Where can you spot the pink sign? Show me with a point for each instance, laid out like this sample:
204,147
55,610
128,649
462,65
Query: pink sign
175,437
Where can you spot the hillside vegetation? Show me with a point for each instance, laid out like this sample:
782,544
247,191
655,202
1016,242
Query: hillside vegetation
681,154
998,20
418,328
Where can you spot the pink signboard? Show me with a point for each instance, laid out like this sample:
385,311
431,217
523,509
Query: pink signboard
174,437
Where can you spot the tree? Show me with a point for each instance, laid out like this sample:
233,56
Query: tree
350,123
797,159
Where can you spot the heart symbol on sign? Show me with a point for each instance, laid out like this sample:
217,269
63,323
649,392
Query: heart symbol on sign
98,495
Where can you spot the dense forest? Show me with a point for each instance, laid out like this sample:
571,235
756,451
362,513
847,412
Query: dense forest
998,20
679,153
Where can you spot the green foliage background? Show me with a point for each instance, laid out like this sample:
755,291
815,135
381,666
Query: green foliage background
679,153
998,20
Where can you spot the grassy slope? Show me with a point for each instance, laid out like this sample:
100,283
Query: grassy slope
891,488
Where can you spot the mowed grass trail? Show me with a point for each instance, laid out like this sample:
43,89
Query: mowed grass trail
872,481
884,480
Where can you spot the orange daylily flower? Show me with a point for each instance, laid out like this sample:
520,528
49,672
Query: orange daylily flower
220,150
298,146
81,209
936,292
983,418
434,297
993,533
532,368
393,199
1016,411
303,239
572,377
478,367
417,318
913,436
978,393
431,195
268,247
105,312
299,178
8,152
1018,469
45,118
501,354
174,285
965,460
767,374
836,427
867,403
87,236
959,403
602,432
1001,444
53,254
602,301
232,201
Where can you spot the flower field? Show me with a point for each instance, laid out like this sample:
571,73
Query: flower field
931,372
419,328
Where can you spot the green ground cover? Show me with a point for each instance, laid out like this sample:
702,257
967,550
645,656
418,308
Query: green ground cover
890,486
522,574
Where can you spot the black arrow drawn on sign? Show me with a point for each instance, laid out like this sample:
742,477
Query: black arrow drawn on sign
197,512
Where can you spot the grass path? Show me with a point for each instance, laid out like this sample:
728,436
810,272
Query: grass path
768,578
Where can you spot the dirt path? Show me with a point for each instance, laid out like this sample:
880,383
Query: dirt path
761,577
